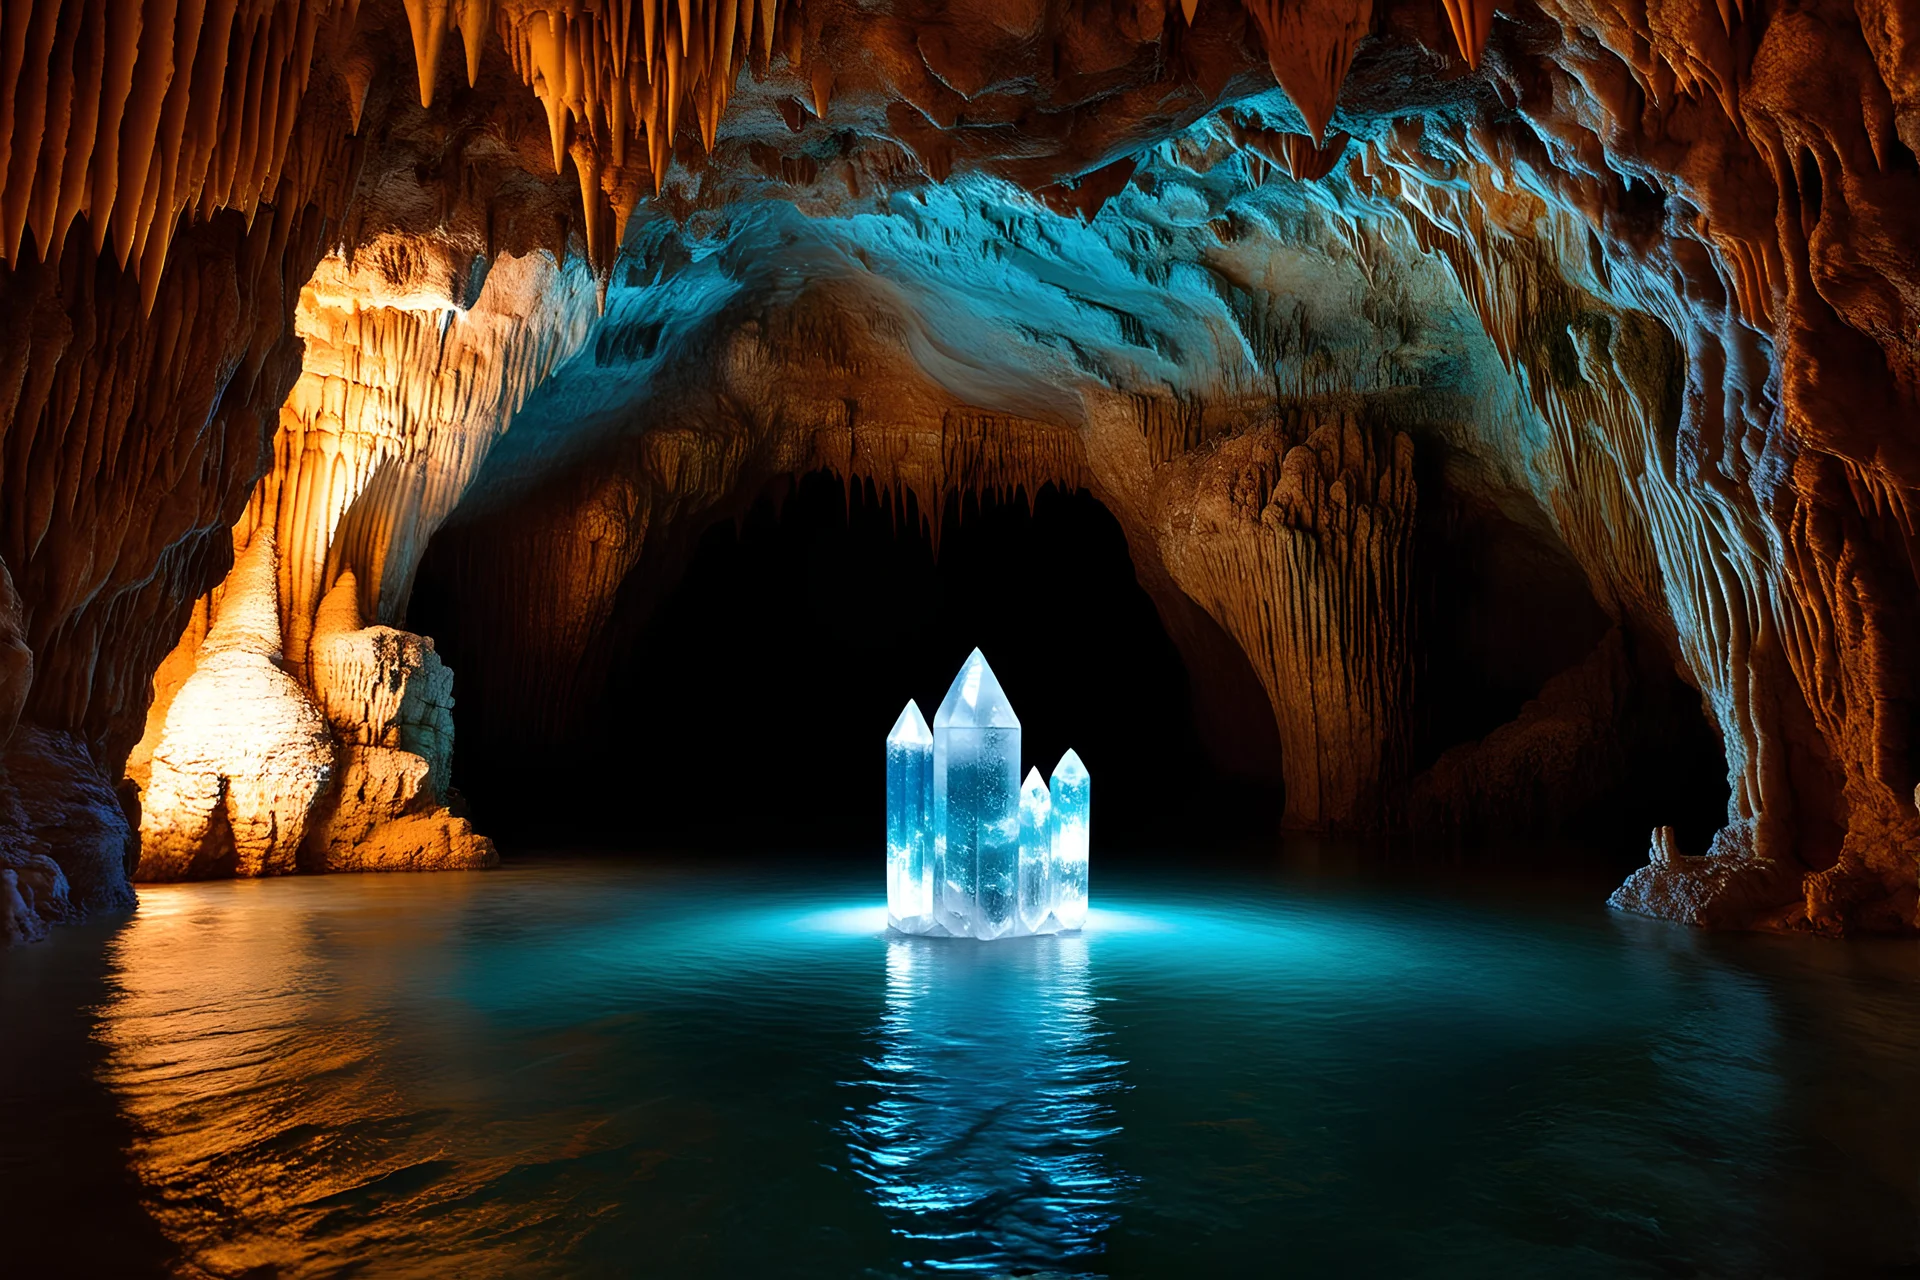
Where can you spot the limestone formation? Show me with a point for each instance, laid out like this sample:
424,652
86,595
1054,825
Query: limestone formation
64,839
389,699
553,287
411,370
1295,538
244,754
385,815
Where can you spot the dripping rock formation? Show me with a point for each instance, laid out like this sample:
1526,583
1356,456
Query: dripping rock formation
1464,382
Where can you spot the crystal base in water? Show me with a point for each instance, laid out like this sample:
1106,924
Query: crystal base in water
1002,867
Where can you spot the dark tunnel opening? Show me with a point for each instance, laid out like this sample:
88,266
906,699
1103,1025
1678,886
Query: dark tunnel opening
749,709
1510,641
752,676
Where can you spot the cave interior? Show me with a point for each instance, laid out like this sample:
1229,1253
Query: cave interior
432,424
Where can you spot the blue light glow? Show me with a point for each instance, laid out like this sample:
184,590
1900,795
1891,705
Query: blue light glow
991,1107
910,821
1005,861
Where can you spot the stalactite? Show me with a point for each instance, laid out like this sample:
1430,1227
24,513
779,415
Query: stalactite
1304,159
1472,23
1310,45
615,88
135,123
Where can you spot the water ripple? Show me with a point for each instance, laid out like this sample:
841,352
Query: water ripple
618,1068
989,1106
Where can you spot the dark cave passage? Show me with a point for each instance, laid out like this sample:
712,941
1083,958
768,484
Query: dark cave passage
1504,618
749,708
752,669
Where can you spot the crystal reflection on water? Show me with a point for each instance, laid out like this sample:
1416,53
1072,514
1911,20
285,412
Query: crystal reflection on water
985,1142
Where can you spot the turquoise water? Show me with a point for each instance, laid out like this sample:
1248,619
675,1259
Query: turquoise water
627,1068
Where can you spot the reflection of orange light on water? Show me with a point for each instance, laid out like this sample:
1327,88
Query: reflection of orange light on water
273,1114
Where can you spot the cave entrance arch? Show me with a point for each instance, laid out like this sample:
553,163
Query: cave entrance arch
747,699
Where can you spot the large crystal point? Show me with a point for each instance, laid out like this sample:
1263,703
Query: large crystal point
976,805
1036,853
1071,791
910,823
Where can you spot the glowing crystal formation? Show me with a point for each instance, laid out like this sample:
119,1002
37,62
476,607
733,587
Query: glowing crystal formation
976,799
910,822
971,853
1036,853
1071,792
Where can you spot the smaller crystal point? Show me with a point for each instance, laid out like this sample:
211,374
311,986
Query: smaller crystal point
910,728
910,822
1036,854
1070,792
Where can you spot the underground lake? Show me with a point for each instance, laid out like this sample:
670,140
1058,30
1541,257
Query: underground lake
1438,483
623,1065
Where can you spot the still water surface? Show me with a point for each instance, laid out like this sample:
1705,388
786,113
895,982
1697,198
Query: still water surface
627,1068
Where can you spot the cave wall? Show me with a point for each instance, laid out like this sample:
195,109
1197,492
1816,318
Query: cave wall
1639,272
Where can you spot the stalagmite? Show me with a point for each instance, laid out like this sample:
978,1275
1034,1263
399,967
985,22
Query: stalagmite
1472,23
244,754
389,700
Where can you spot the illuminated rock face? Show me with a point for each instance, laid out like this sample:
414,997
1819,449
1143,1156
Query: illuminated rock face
243,754
1260,275
412,370
252,774
389,700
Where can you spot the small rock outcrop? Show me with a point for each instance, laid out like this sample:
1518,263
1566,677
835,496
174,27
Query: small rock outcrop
389,699
1730,887
65,845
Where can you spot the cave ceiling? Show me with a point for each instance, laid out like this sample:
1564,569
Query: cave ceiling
297,296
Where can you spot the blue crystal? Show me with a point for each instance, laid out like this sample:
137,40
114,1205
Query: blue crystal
1036,854
971,851
910,822
976,805
1071,794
